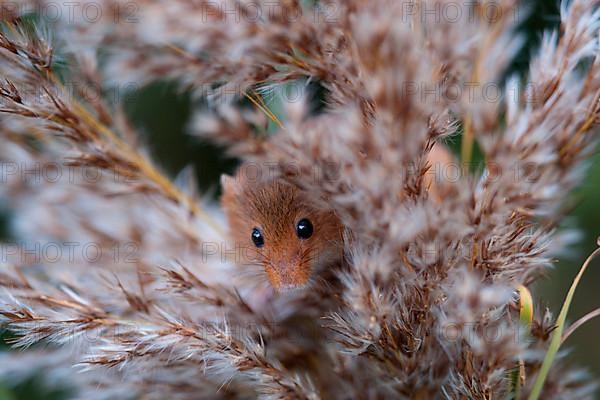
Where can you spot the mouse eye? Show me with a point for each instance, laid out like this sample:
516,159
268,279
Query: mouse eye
257,237
304,229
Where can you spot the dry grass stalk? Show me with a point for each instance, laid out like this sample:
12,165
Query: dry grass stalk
425,281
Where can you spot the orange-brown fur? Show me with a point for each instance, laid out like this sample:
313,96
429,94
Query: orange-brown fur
275,208
439,159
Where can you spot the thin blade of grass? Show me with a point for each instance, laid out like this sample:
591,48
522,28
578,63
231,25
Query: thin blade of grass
587,317
557,335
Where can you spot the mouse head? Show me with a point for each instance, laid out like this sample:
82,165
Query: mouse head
277,226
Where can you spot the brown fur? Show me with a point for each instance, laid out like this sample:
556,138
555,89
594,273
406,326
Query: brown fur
275,208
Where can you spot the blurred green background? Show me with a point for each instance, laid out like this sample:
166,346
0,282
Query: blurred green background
161,112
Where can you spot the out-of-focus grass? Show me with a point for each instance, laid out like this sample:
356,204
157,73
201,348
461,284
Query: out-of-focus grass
4,220
552,290
35,388
557,334
162,114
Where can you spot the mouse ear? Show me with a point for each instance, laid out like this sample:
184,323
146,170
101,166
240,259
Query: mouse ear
230,185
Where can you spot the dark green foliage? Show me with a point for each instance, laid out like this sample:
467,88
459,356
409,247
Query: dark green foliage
161,112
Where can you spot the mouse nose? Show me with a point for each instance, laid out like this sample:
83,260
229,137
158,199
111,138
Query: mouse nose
289,275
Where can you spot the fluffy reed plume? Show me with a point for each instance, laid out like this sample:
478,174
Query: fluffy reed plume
424,305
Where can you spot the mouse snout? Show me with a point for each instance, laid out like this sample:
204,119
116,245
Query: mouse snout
288,274
289,287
